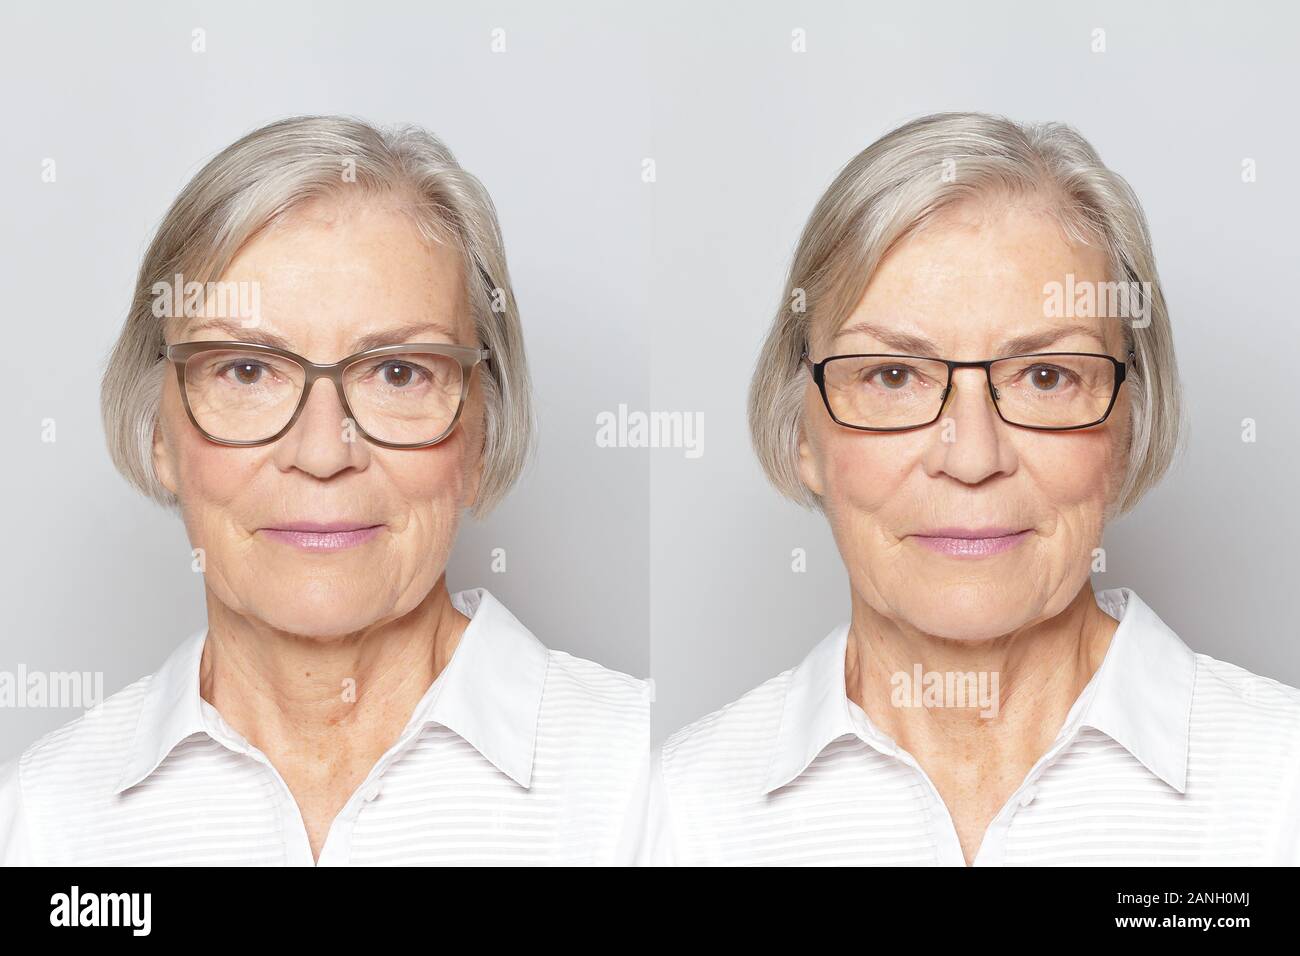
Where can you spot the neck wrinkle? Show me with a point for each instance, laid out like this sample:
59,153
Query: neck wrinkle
1041,669
278,689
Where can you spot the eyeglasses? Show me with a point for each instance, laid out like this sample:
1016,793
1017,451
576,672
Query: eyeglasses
1052,391
398,396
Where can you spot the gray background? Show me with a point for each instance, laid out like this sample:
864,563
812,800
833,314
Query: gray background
656,295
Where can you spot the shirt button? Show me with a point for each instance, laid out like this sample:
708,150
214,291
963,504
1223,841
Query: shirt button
373,791
1027,797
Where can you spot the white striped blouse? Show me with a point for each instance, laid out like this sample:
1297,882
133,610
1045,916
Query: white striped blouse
516,754
1168,757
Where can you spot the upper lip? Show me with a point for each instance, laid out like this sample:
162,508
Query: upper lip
321,527
998,532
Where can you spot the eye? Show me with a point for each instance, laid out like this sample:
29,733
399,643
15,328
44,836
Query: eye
892,377
400,374
1047,378
246,372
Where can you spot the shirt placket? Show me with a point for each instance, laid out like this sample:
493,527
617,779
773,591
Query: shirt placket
337,848
297,845
947,844
992,849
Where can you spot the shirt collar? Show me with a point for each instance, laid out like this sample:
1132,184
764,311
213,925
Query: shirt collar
1140,696
492,691
490,694
1143,690
171,711
816,710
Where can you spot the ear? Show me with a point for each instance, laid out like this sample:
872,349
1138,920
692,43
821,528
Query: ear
473,479
474,433
809,464
163,460
473,472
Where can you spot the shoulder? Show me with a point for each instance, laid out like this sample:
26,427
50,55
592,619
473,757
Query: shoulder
573,689
1244,750
594,735
732,744
579,692
71,767
1228,698
85,750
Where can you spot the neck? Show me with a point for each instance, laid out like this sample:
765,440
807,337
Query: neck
1025,682
351,692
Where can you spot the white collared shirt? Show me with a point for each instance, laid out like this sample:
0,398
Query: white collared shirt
1168,757
515,755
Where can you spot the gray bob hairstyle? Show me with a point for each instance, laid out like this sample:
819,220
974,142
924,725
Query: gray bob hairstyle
257,181
900,183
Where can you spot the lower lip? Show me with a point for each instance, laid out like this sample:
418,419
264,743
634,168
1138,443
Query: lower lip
322,541
972,547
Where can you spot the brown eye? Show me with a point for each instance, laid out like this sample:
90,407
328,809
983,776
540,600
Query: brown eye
894,376
245,373
1046,377
397,375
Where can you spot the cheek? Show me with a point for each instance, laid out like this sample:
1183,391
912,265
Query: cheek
1071,472
209,476
427,488
865,484
216,483
427,476
863,472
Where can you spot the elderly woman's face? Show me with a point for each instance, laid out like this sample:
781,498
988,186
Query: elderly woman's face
971,282
329,275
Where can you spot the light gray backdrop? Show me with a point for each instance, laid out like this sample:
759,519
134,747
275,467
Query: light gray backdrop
653,294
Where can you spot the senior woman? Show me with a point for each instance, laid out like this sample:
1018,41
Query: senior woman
968,439
320,441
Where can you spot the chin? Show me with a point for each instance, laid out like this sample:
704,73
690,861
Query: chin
314,605
967,610
317,620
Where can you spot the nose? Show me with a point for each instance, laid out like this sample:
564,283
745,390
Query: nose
970,443
323,441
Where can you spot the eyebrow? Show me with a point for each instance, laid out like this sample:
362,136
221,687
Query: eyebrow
1021,344
399,335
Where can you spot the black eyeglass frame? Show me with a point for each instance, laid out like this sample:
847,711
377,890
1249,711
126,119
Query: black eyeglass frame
467,356
818,370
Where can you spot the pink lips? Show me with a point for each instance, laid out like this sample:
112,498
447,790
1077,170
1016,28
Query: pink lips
318,537
971,542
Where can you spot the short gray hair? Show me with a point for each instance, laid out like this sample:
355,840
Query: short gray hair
903,181
261,178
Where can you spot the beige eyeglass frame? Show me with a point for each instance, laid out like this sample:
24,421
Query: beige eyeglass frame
467,356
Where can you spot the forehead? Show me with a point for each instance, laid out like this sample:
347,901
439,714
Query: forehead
331,272
981,275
